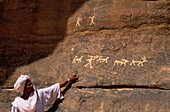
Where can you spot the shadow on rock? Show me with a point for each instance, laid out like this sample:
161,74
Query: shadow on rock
58,101
31,30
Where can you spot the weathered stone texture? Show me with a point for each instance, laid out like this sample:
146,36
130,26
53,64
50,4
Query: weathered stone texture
113,14
119,48
116,100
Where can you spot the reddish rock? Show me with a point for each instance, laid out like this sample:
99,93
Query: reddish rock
120,50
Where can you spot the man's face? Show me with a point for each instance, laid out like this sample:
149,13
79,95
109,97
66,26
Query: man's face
28,86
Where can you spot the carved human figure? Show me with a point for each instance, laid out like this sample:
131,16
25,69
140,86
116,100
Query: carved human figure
89,60
92,20
78,21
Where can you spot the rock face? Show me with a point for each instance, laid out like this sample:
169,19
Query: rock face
120,50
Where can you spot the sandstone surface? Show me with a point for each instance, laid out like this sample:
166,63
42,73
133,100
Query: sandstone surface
119,48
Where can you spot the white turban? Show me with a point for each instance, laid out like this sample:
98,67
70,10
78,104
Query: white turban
20,83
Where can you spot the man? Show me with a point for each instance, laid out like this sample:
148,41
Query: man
33,100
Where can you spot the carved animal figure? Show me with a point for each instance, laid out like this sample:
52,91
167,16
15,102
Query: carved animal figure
139,63
92,20
122,62
101,59
77,60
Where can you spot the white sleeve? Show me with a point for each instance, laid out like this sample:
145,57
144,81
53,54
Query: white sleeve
52,93
14,109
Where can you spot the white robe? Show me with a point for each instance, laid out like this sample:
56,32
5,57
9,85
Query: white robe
39,101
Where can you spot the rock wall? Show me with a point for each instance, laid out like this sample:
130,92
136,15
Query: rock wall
119,48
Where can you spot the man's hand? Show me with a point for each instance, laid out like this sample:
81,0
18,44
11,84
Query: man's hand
74,77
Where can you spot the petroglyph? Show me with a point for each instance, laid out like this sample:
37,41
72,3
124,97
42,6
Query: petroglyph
78,21
101,59
77,59
92,20
139,63
122,62
91,58
94,14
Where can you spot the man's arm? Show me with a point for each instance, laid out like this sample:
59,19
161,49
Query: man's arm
72,78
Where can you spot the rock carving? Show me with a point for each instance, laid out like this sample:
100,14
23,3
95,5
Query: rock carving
91,58
139,63
92,20
101,59
78,21
77,59
122,62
